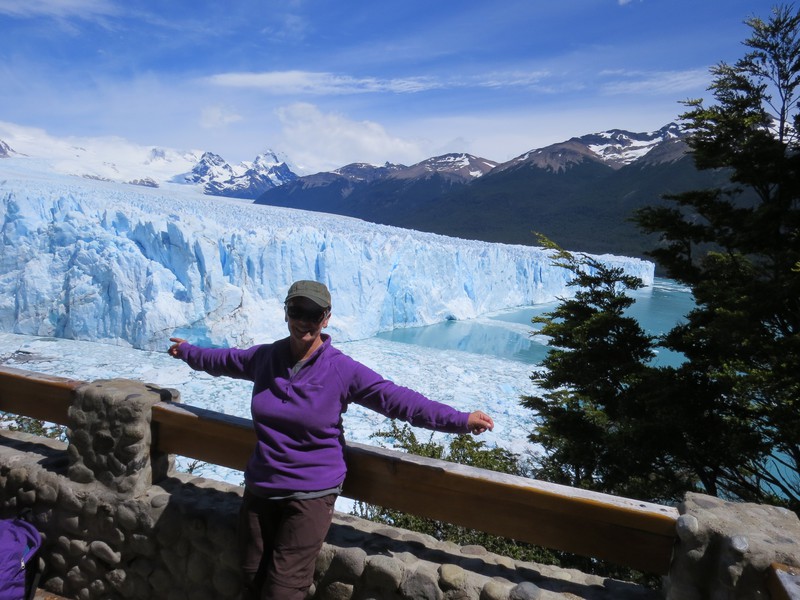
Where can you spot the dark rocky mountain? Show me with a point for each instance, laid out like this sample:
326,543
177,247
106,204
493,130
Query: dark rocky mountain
379,193
144,182
580,193
5,150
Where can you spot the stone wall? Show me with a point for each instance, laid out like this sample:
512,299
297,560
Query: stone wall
118,522
176,541
725,548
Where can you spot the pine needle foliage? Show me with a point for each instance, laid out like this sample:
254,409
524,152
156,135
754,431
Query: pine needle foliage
738,248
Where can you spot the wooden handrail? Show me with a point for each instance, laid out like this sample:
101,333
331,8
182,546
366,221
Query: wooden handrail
206,435
783,582
36,395
629,532
623,531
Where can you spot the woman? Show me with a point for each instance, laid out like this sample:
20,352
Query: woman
301,387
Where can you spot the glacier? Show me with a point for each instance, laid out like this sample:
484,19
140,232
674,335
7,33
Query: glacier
94,260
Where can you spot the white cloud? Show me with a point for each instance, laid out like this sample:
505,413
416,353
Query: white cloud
213,117
663,82
84,9
320,83
318,141
308,82
289,27
506,79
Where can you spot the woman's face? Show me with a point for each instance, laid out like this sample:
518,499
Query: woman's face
306,319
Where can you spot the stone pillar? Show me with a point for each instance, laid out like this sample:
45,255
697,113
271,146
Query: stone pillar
724,548
110,436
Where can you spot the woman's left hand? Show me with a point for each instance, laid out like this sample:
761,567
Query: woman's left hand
478,422
173,350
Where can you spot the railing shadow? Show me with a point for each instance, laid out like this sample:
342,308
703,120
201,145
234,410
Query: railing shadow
385,542
53,453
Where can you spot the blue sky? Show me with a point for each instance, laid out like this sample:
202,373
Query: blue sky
329,83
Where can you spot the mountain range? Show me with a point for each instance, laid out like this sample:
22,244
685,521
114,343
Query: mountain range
249,181
118,160
580,193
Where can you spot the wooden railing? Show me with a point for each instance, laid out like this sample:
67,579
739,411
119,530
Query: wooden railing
627,532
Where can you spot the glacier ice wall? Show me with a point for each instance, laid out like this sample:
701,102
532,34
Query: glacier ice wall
94,260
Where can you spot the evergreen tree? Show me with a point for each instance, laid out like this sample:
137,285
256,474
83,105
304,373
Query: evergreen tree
38,427
610,420
738,249
604,424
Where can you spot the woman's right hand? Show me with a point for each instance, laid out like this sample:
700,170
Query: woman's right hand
479,422
173,350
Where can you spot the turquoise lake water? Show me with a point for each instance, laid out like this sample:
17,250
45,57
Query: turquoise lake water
510,334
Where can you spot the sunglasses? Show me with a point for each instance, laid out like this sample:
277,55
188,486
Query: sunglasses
301,314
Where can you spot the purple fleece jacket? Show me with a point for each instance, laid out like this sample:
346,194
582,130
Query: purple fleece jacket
298,418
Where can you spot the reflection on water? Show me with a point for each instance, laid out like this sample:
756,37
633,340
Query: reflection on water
510,334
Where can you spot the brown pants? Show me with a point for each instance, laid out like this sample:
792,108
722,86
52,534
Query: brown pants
279,541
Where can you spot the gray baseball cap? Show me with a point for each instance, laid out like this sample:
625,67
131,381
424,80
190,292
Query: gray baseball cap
313,290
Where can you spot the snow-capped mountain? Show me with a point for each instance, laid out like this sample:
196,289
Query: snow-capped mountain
581,193
374,193
118,160
247,180
362,172
452,167
457,167
618,147
210,167
615,148
115,159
